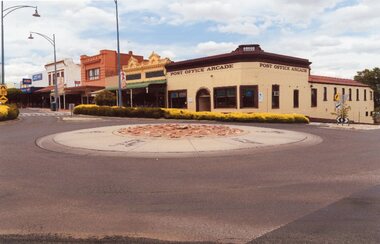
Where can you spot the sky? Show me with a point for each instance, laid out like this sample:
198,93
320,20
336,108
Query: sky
339,37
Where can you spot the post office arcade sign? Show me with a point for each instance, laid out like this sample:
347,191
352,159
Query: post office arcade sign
230,66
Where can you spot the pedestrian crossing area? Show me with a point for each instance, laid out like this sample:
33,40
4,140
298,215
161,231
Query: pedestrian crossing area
45,114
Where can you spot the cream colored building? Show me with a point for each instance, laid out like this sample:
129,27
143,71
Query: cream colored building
145,81
251,80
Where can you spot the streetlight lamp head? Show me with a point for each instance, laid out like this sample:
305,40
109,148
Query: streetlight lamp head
36,14
30,36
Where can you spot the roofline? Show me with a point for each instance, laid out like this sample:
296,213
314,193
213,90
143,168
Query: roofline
335,81
239,56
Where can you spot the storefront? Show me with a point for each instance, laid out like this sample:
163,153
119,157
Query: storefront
252,80
145,81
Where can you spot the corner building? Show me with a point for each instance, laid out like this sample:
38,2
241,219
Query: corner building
252,80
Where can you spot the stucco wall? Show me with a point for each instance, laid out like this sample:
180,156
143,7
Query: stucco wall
265,75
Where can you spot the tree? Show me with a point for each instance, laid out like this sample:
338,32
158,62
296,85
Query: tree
371,78
105,98
14,95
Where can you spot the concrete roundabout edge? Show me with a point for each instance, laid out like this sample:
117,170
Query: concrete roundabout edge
69,142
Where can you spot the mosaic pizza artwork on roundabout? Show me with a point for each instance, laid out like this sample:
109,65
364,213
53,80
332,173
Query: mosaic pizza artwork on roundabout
174,140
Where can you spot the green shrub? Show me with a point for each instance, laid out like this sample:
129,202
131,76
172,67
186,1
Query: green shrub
105,98
119,111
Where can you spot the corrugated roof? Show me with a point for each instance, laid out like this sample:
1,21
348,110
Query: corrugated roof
334,81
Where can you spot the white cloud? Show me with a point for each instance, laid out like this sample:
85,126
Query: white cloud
319,30
212,48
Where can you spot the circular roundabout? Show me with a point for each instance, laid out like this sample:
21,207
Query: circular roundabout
174,140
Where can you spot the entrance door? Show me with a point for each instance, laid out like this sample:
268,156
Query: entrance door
203,100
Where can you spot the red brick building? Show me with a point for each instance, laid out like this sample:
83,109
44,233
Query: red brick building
95,69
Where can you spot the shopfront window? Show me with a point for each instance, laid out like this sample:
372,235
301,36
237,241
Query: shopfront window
296,98
225,97
249,97
275,96
314,93
93,74
178,99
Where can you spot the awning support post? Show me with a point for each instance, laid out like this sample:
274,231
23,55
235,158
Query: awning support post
131,97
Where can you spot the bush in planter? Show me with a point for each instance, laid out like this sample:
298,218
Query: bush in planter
105,98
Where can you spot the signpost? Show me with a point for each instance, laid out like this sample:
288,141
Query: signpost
3,94
341,109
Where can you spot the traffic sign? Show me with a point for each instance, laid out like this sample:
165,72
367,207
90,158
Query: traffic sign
337,97
3,94
3,90
3,99
338,105
341,120
345,98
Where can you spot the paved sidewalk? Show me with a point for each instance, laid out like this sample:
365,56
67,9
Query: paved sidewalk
347,127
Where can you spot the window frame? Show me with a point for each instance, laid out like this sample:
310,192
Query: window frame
255,89
324,93
136,76
357,94
170,102
349,94
216,106
154,74
296,102
314,97
93,76
273,96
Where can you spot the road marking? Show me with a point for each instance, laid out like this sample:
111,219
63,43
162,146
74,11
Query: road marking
44,114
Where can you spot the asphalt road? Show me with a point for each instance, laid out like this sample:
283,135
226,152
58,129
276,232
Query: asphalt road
321,193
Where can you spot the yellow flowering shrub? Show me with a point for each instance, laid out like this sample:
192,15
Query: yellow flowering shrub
8,112
236,116
3,112
169,113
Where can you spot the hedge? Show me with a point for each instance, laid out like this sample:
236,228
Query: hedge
8,112
185,114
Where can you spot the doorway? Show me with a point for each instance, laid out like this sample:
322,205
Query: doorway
203,100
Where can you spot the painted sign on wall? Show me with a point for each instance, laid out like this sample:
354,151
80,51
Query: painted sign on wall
37,77
26,81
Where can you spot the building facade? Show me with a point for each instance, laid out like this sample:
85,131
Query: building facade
252,80
68,73
145,81
95,69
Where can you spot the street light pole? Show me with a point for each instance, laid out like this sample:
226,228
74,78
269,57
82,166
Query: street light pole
120,99
4,13
52,42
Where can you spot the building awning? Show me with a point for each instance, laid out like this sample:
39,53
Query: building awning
144,84
47,89
82,89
